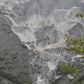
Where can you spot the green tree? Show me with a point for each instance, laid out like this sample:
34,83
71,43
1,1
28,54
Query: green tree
79,15
76,46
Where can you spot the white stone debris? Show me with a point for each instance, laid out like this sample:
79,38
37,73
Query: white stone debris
51,66
77,56
70,77
40,80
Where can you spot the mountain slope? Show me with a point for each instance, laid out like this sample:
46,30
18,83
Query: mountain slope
14,56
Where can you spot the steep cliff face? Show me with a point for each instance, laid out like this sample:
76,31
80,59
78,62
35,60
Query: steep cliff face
14,56
32,39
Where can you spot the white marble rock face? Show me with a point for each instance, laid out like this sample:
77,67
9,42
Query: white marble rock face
39,27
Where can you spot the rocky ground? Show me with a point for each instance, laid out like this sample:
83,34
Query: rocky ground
32,40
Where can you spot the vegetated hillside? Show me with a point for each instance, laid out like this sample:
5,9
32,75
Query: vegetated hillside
14,56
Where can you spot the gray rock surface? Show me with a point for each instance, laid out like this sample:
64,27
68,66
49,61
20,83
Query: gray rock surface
77,31
32,40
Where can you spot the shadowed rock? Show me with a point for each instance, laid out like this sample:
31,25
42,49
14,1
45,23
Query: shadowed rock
15,57
77,31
